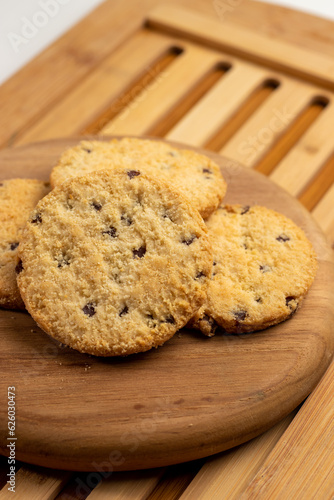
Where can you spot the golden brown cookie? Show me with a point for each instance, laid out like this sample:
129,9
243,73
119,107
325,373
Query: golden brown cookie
263,267
192,174
114,262
18,197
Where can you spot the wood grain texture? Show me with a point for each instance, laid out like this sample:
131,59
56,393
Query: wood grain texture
126,486
225,476
169,91
36,483
222,96
324,214
88,100
248,44
219,392
302,464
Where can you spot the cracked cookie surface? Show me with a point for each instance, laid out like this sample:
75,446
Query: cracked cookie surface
114,262
18,197
263,266
194,175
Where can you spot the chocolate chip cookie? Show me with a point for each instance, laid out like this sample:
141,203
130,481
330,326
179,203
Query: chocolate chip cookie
114,262
192,174
263,267
18,197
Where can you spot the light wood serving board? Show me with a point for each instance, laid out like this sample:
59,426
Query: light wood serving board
192,397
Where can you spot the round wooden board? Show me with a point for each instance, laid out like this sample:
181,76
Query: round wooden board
191,398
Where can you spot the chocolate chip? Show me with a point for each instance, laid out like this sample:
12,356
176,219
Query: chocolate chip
87,150
97,206
207,171
211,322
167,215
37,219
151,320
259,300
19,267
189,240
240,315
282,237
65,261
13,246
200,275
288,300
111,232
214,263
126,219
89,309
170,319
133,173
139,253
265,269
124,311
245,209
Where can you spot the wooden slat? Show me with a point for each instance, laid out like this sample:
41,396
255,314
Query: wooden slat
318,187
324,214
36,483
127,485
155,101
248,44
250,105
93,95
175,481
298,168
301,466
286,142
261,131
198,92
225,476
218,105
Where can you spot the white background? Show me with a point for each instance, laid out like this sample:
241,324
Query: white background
20,41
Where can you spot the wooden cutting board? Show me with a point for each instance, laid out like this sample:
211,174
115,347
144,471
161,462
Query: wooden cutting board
193,397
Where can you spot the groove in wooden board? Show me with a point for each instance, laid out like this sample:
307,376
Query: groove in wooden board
251,104
79,486
218,105
135,485
313,193
36,483
256,137
323,213
133,91
155,102
175,481
225,476
42,84
291,136
203,86
248,44
301,464
96,93
309,155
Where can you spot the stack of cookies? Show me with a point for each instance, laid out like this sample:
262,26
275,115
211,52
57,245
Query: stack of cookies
117,257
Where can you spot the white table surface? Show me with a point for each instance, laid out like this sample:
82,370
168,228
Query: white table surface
28,26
